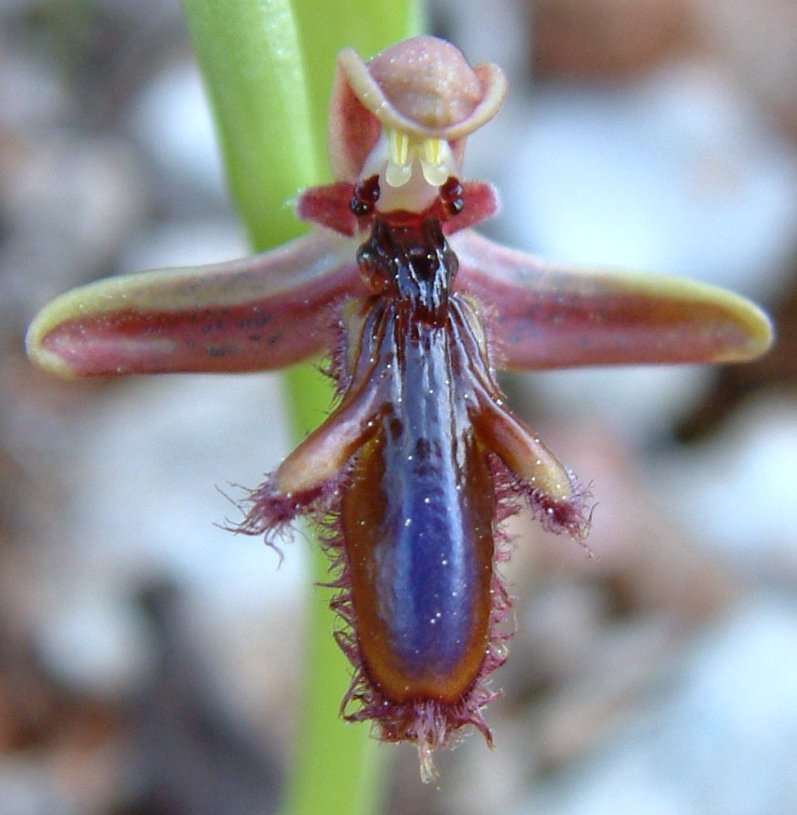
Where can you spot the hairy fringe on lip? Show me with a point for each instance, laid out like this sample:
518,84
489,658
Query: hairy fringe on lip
429,723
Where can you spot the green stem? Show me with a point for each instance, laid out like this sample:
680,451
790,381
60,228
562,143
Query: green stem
250,57
336,767
268,67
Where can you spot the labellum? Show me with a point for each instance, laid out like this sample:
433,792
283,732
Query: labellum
414,470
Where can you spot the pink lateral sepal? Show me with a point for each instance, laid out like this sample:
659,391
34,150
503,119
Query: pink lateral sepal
256,313
545,315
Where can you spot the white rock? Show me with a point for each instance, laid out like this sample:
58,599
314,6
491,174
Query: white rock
738,489
171,118
720,741
146,470
677,172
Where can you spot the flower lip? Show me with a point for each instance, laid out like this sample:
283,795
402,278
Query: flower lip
424,87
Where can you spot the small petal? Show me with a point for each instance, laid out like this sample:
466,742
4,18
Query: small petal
330,206
257,313
547,316
480,202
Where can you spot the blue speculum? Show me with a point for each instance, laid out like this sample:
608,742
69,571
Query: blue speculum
414,466
417,516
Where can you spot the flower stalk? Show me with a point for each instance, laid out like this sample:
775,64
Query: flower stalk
267,70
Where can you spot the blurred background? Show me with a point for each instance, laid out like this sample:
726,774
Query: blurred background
149,660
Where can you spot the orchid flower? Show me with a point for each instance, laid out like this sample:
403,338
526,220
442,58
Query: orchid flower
420,461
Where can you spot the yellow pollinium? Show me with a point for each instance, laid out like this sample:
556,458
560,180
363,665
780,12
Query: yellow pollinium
435,157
